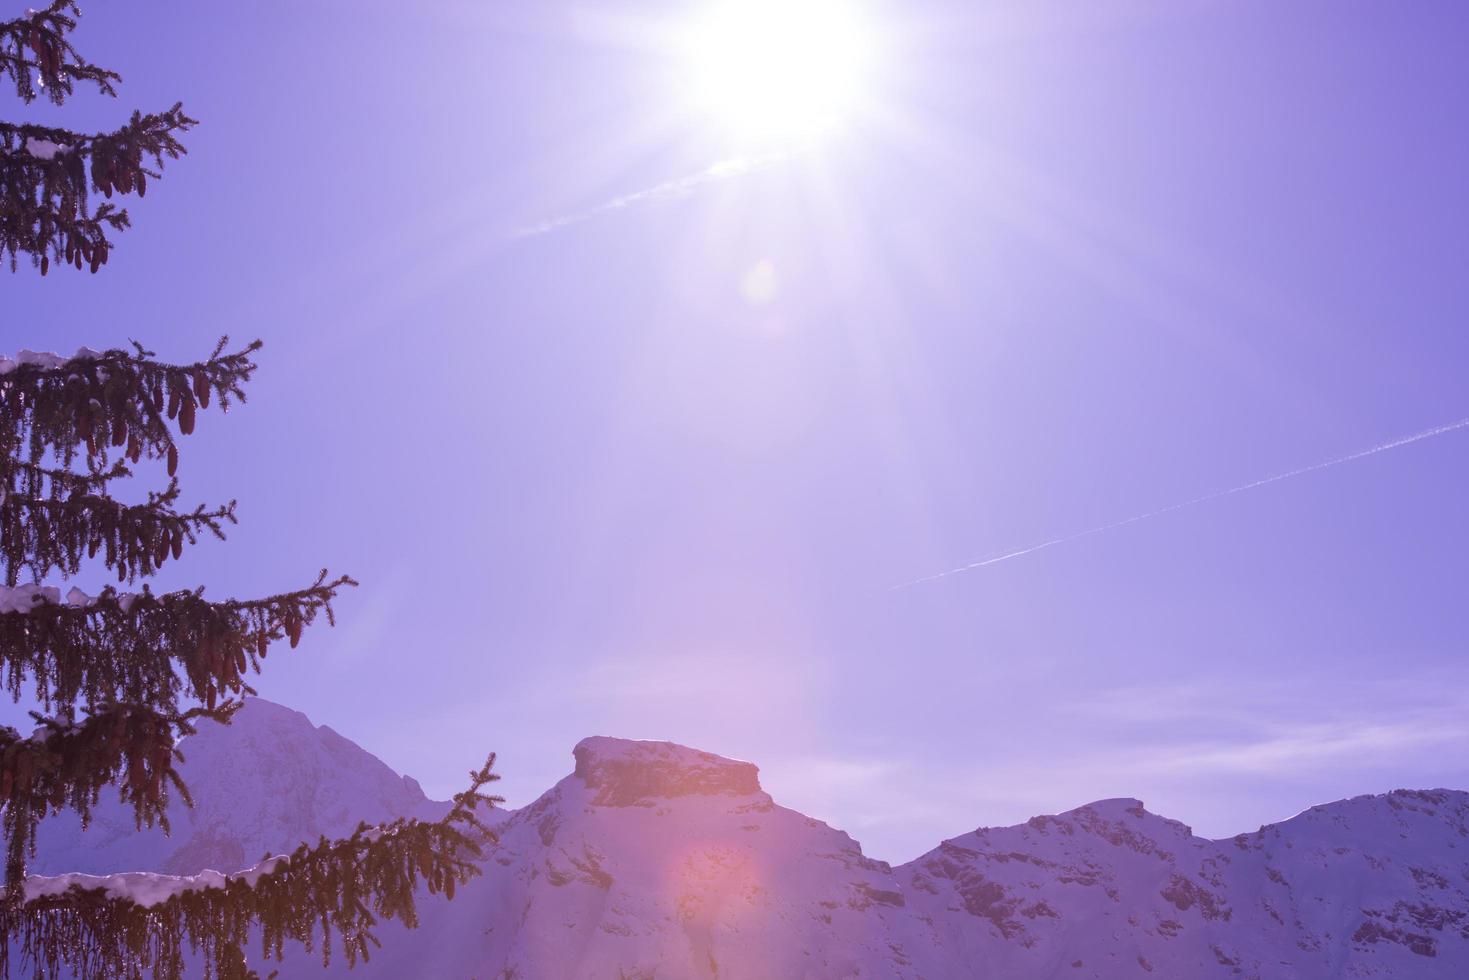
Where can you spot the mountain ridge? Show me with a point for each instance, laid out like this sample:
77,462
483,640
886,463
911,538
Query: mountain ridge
652,860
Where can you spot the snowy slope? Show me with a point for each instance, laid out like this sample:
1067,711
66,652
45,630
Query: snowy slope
652,861
1369,887
264,784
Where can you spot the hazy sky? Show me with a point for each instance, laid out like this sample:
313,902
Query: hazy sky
654,474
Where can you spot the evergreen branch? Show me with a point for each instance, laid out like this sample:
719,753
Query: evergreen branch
32,480
36,44
47,176
48,534
147,649
88,927
66,764
144,132
73,238
118,399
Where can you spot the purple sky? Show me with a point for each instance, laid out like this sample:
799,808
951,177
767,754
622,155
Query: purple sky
1078,262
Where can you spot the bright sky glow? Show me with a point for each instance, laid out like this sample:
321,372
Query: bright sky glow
772,69
1064,262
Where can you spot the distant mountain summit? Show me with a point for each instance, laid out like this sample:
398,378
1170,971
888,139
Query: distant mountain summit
263,784
1369,887
653,861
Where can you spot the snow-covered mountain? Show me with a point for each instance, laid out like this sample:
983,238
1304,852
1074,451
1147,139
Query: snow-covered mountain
1376,886
262,785
658,862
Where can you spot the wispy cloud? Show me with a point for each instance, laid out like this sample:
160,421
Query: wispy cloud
892,806
1215,755
734,167
1206,498
1269,728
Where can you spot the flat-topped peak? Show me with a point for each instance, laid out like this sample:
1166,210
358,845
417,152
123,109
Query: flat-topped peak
626,772
1118,807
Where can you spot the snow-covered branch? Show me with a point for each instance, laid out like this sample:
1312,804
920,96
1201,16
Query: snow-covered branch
75,924
145,648
34,50
91,403
65,763
49,175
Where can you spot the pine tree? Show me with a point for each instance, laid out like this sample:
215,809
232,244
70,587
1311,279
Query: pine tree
122,675
48,175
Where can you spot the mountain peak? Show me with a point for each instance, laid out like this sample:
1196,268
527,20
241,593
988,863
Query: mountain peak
1115,819
624,772
256,712
264,783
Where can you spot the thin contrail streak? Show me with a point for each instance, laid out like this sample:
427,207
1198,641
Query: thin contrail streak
724,170
1337,461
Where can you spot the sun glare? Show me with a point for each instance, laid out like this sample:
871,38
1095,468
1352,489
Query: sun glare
777,69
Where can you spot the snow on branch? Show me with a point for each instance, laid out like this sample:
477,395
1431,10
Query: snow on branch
114,158
145,888
34,51
49,175
80,925
143,648
65,763
93,403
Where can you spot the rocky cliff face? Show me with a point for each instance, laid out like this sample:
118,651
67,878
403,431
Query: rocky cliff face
622,773
658,862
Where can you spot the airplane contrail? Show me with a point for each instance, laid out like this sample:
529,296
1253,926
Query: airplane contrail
1337,461
740,166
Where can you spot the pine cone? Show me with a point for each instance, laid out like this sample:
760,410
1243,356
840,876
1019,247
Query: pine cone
186,414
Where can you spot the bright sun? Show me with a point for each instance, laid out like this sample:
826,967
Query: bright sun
777,69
